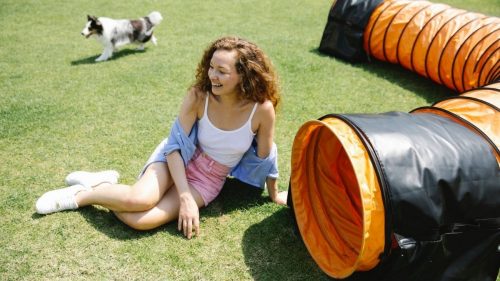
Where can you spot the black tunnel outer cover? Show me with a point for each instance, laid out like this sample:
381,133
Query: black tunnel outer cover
343,33
435,172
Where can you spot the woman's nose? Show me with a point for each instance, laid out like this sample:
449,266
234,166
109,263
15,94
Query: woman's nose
212,75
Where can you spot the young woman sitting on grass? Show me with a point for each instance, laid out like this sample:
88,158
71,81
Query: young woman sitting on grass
225,126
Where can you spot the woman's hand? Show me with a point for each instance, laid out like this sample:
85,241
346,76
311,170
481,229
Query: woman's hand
281,198
278,197
189,216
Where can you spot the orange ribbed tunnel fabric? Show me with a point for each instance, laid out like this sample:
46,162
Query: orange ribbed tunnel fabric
337,199
453,47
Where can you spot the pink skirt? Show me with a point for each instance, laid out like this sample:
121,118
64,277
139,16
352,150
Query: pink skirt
206,175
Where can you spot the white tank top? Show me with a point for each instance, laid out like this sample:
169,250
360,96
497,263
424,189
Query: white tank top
225,147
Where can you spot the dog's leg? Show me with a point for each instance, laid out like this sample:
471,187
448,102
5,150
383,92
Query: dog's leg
140,48
106,54
153,40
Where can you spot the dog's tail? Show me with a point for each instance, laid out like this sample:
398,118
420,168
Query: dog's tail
155,18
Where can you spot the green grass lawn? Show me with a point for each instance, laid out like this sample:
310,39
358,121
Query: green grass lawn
60,112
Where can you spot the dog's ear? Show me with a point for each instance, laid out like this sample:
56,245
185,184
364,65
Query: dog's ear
91,18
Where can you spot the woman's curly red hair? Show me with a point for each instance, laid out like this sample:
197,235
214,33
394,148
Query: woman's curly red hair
259,81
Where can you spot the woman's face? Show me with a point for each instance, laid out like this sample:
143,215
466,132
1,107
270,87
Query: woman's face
223,74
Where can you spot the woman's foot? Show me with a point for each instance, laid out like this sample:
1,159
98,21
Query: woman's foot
91,179
59,200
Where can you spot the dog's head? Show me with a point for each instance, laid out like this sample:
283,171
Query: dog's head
93,26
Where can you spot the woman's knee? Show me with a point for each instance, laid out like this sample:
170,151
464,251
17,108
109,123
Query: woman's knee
140,201
167,210
148,191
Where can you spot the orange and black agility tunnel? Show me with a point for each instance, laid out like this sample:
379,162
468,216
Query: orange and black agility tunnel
453,47
477,109
401,196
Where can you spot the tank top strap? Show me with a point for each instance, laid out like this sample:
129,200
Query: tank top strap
205,113
253,111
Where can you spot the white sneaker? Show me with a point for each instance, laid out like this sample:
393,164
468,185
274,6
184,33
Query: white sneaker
58,200
91,179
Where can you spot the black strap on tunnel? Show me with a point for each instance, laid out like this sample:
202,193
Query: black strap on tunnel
421,32
436,171
416,37
368,51
487,87
477,45
484,64
432,42
473,98
387,29
494,72
460,49
464,25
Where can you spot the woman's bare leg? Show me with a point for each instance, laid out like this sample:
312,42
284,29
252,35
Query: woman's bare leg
143,195
165,211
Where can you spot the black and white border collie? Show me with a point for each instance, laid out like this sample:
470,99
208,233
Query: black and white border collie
116,33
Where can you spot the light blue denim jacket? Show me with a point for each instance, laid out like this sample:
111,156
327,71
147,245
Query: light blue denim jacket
251,169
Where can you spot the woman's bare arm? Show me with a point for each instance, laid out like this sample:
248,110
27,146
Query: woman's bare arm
189,218
265,135
265,116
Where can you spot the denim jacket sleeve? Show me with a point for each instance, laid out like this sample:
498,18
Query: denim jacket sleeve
178,140
254,170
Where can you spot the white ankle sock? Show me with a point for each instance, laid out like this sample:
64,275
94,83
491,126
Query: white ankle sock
59,200
91,179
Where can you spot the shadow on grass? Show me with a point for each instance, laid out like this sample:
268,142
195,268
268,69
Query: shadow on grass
235,195
116,55
107,223
273,250
398,75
